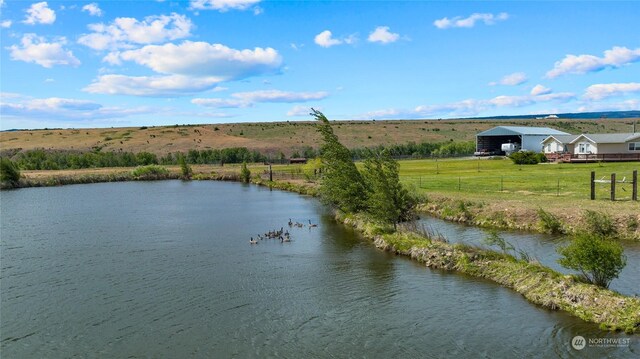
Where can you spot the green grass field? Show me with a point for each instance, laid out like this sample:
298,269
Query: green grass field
502,178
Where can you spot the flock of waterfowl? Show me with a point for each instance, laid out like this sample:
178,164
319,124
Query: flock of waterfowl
281,234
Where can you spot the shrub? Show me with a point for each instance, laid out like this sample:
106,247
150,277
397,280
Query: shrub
541,157
549,222
9,172
598,259
632,223
245,174
185,169
525,158
149,172
598,223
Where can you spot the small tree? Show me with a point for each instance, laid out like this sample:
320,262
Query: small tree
245,173
388,201
9,172
599,260
185,169
341,184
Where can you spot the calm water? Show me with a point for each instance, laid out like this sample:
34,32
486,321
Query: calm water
164,269
541,247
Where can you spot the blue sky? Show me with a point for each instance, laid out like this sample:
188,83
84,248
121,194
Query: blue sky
133,63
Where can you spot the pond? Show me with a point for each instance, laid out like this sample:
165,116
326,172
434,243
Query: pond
165,269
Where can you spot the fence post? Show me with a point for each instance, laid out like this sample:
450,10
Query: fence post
270,173
459,183
593,185
634,194
613,186
558,189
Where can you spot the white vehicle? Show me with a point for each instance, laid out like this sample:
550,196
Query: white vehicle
509,148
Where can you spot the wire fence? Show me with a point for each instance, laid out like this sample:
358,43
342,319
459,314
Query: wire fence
293,173
443,179
559,186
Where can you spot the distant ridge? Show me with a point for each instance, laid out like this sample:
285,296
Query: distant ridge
571,115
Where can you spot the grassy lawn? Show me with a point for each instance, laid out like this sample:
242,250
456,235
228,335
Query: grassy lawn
500,178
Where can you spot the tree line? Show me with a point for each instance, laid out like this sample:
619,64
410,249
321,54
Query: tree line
61,160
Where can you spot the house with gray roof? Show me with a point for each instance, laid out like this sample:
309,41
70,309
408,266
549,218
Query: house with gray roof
600,147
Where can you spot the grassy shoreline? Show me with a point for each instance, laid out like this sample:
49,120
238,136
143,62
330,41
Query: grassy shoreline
482,209
540,285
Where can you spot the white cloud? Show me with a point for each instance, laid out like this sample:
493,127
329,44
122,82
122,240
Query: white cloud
39,13
511,101
205,59
47,54
224,5
601,91
469,107
513,79
383,35
248,99
187,68
93,9
6,24
53,103
55,110
521,101
325,39
627,105
582,64
126,32
540,90
280,96
299,110
7,95
152,86
458,21
221,103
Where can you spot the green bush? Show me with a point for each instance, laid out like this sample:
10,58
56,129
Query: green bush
525,157
9,172
245,174
150,172
549,222
185,169
598,223
598,259
541,157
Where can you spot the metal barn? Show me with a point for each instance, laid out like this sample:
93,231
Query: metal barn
529,138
